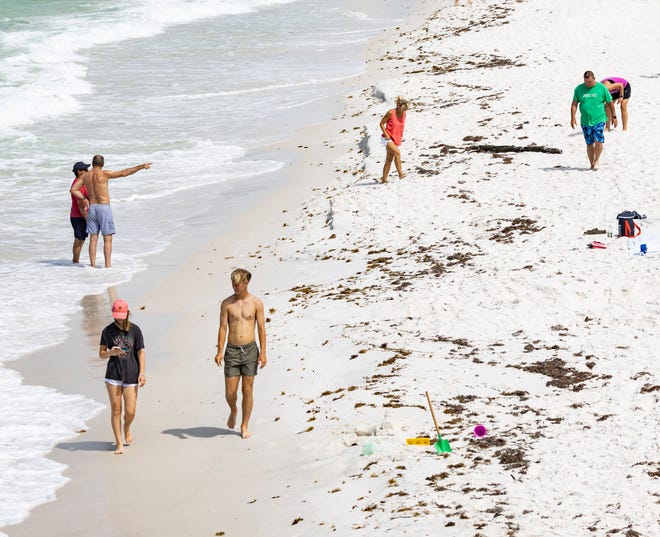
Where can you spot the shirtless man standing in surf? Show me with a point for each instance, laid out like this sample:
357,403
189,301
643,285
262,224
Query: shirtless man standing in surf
99,216
240,313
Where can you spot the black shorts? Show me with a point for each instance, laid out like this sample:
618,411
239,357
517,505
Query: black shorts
626,92
79,226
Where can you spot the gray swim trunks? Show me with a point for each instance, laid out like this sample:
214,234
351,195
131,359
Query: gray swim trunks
241,360
99,218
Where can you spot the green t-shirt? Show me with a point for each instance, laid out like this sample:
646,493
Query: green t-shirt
592,101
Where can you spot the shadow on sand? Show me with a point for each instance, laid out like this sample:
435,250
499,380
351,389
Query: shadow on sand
200,432
60,262
560,168
93,445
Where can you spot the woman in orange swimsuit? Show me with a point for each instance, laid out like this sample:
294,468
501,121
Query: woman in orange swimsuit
392,126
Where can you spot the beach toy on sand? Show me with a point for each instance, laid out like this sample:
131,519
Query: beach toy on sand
479,431
419,441
442,445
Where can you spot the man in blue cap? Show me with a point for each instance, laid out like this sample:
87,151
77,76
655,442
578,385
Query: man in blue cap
99,218
78,212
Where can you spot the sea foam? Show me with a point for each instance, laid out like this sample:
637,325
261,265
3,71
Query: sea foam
139,81
45,69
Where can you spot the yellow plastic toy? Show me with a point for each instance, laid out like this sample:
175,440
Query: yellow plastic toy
418,441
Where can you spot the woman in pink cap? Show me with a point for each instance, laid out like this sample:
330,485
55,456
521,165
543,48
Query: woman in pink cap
123,344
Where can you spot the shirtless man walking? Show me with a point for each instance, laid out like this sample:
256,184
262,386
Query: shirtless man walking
99,216
239,314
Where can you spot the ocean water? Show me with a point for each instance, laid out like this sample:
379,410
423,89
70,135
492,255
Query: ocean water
199,88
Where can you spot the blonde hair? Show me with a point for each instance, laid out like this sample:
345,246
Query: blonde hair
402,101
124,324
240,275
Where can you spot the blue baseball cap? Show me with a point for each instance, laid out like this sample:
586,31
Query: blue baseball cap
78,166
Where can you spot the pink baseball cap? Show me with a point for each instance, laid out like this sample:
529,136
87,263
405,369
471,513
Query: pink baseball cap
119,309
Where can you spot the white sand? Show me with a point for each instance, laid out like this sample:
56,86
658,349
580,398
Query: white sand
376,293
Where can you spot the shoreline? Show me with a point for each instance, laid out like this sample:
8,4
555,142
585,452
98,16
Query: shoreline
80,453
393,301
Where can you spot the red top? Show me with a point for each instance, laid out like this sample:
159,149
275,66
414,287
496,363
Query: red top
394,126
75,211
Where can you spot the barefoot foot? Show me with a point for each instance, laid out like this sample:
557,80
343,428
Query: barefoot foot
128,439
402,176
244,433
119,450
231,422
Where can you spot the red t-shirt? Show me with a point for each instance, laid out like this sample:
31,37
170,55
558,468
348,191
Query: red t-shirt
75,211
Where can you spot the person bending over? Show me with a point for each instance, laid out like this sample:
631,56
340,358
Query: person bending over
619,89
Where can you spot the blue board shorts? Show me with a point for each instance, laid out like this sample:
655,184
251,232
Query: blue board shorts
99,219
594,133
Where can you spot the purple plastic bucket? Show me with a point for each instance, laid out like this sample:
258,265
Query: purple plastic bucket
479,431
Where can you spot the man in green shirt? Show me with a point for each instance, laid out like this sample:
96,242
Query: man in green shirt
591,96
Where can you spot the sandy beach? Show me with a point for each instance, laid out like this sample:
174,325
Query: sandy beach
471,279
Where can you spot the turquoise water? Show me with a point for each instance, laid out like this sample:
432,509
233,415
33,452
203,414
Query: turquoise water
199,88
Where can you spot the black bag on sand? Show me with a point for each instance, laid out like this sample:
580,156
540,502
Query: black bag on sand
627,225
